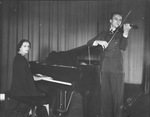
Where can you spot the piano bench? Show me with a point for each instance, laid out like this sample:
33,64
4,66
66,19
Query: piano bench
28,104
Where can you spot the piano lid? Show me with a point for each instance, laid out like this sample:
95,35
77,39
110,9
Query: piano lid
74,57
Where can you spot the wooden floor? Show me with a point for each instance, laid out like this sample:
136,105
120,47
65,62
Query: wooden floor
136,104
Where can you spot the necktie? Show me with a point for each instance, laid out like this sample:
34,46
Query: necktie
111,31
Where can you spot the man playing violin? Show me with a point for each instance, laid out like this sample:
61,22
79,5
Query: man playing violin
113,43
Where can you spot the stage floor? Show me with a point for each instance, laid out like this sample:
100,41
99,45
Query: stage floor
136,104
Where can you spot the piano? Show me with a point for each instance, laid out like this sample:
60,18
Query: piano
79,67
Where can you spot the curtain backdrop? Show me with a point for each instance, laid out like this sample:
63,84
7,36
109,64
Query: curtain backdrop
146,68
63,25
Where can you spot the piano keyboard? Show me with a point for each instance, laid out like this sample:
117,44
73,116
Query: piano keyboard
39,77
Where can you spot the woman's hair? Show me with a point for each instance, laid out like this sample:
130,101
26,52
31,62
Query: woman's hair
21,42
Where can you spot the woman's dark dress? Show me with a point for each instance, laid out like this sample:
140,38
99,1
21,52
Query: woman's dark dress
22,81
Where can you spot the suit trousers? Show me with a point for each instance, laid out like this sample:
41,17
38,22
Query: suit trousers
112,90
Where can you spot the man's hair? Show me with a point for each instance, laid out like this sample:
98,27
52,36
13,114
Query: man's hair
115,13
21,42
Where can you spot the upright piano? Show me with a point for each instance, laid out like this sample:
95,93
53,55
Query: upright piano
79,66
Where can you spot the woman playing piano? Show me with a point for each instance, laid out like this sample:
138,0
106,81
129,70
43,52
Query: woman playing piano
22,80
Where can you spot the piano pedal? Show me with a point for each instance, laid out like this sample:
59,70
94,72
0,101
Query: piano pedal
61,115
61,110
58,113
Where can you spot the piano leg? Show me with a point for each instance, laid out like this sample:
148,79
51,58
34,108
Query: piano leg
64,101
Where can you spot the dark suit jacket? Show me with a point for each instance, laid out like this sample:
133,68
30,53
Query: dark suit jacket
113,61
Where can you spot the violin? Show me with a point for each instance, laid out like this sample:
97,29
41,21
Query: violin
120,28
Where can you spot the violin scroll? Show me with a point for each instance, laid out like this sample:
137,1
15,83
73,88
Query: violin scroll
134,26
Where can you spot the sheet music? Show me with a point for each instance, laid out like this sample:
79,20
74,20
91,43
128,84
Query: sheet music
39,77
